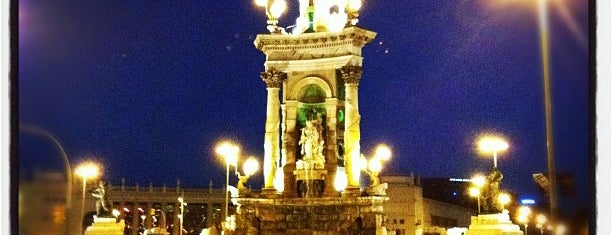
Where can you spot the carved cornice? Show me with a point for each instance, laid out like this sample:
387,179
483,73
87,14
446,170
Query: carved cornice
351,74
350,36
273,78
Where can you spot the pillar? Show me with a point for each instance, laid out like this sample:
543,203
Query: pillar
351,76
175,219
135,217
273,80
290,147
209,215
331,163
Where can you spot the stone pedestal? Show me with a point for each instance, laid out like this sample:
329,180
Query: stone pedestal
105,226
493,224
156,231
311,216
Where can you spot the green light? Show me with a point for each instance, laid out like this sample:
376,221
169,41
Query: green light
340,115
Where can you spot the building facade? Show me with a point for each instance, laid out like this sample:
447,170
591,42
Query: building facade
43,209
409,211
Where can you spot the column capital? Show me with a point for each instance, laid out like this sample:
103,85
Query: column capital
273,78
351,74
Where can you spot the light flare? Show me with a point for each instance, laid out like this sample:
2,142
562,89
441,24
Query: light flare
474,192
277,8
251,165
383,152
340,181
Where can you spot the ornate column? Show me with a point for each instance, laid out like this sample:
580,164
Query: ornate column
273,79
351,76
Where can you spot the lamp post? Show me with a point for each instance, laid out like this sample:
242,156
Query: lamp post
229,152
544,46
475,192
86,170
374,166
64,155
478,181
492,144
544,35
541,220
523,216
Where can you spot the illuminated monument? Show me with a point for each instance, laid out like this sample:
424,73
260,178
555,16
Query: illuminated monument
312,159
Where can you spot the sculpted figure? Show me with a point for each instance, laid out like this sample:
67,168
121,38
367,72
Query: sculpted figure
102,203
491,192
312,144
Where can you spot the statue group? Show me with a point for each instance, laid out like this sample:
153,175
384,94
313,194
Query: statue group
313,144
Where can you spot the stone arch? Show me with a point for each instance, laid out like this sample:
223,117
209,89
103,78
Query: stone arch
308,81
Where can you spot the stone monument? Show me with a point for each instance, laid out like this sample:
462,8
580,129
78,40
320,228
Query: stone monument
312,128
493,224
105,223
497,221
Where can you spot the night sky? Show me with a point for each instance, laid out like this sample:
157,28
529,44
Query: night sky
147,88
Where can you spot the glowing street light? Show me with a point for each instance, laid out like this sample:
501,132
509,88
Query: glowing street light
560,230
541,220
229,152
475,192
250,166
274,10
86,170
492,144
523,216
383,152
478,181
504,199
277,8
374,166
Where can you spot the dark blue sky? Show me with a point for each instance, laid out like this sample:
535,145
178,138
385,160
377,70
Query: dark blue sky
148,87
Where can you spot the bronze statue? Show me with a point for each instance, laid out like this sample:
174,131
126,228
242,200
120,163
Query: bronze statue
102,203
491,192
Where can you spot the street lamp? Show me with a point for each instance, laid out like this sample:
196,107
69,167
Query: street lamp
478,181
523,216
250,166
229,152
86,170
475,192
492,144
544,33
541,220
374,166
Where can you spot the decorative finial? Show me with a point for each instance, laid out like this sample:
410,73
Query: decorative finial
274,9
315,15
